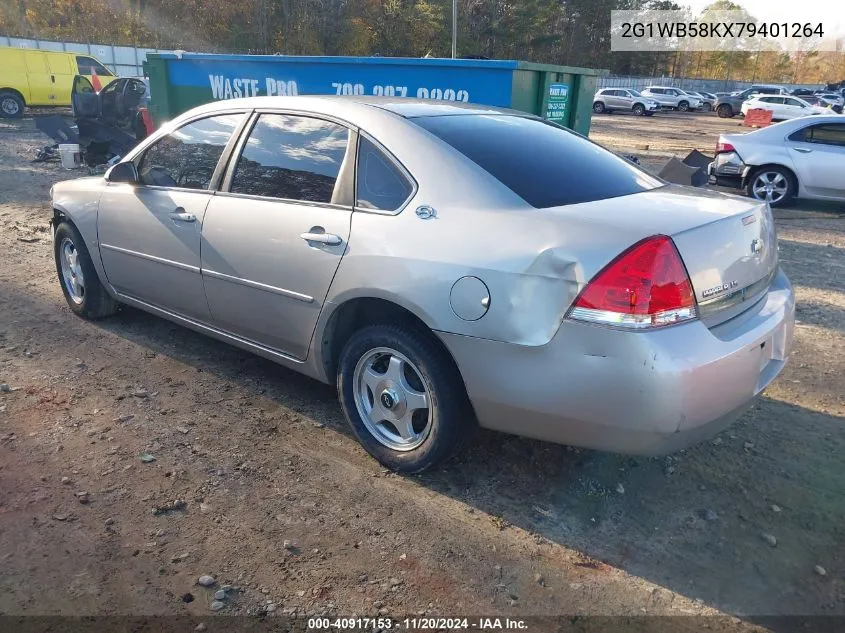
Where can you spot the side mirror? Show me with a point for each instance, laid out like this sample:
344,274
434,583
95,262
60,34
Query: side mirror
123,172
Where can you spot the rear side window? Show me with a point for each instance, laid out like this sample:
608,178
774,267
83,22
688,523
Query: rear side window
380,183
187,157
828,134
90,66
293,158
544,164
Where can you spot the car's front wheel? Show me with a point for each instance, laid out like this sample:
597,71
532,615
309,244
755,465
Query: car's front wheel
403,396
707,107
683,106
774,185
725,111
639,109
11,105
81,286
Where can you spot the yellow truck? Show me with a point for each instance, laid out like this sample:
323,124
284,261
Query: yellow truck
34,77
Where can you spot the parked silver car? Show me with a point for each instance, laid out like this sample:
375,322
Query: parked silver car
625,100
708,100
442,264
799,158
672,98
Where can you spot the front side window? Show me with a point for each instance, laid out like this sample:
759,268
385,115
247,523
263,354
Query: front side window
380,183
90,66
543,163
293,158
187,157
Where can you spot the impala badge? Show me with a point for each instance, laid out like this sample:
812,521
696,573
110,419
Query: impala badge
756,246
715,290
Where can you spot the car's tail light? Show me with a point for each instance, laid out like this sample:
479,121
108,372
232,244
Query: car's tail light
646,286
722,147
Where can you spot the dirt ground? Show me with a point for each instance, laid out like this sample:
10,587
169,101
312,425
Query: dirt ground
257,481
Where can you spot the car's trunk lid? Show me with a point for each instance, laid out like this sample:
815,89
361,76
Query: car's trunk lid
728,244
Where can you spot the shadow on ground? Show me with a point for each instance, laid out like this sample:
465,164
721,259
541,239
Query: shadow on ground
692,523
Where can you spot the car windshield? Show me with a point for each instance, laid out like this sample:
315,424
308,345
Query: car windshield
633,92
543,163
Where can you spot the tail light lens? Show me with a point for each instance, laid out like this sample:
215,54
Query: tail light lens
646,286
722,147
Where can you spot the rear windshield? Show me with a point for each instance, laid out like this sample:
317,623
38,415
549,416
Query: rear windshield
544,164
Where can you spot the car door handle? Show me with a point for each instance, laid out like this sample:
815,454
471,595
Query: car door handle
179,215
803,150
322,238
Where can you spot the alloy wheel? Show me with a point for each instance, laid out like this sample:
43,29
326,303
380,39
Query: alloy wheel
770,186
393,399
72,272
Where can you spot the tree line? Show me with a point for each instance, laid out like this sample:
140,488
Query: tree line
567,32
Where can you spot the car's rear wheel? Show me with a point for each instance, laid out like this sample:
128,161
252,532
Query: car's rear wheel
11,105
683,106
725,111
84,293
638,109
774,185
598,107
403,396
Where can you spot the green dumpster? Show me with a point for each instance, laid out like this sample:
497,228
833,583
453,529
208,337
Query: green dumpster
179,82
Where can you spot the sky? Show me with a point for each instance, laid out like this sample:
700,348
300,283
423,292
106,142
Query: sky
831,13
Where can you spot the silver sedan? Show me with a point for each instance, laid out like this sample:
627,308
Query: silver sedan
799,158
445,265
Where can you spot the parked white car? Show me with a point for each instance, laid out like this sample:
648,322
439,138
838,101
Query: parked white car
782,107
800,158
673,98
624,99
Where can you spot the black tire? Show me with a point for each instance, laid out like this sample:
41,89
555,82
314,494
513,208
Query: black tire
598,107
683,106
95,302
774,170
707,107
638,109
11,105
452,420
725,111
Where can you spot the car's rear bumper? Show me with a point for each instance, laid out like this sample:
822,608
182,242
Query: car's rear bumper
629,392
727,170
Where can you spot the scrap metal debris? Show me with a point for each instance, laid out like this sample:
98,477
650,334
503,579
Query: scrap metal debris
108,123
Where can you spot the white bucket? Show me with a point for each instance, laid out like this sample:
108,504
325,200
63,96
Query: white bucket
71,156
